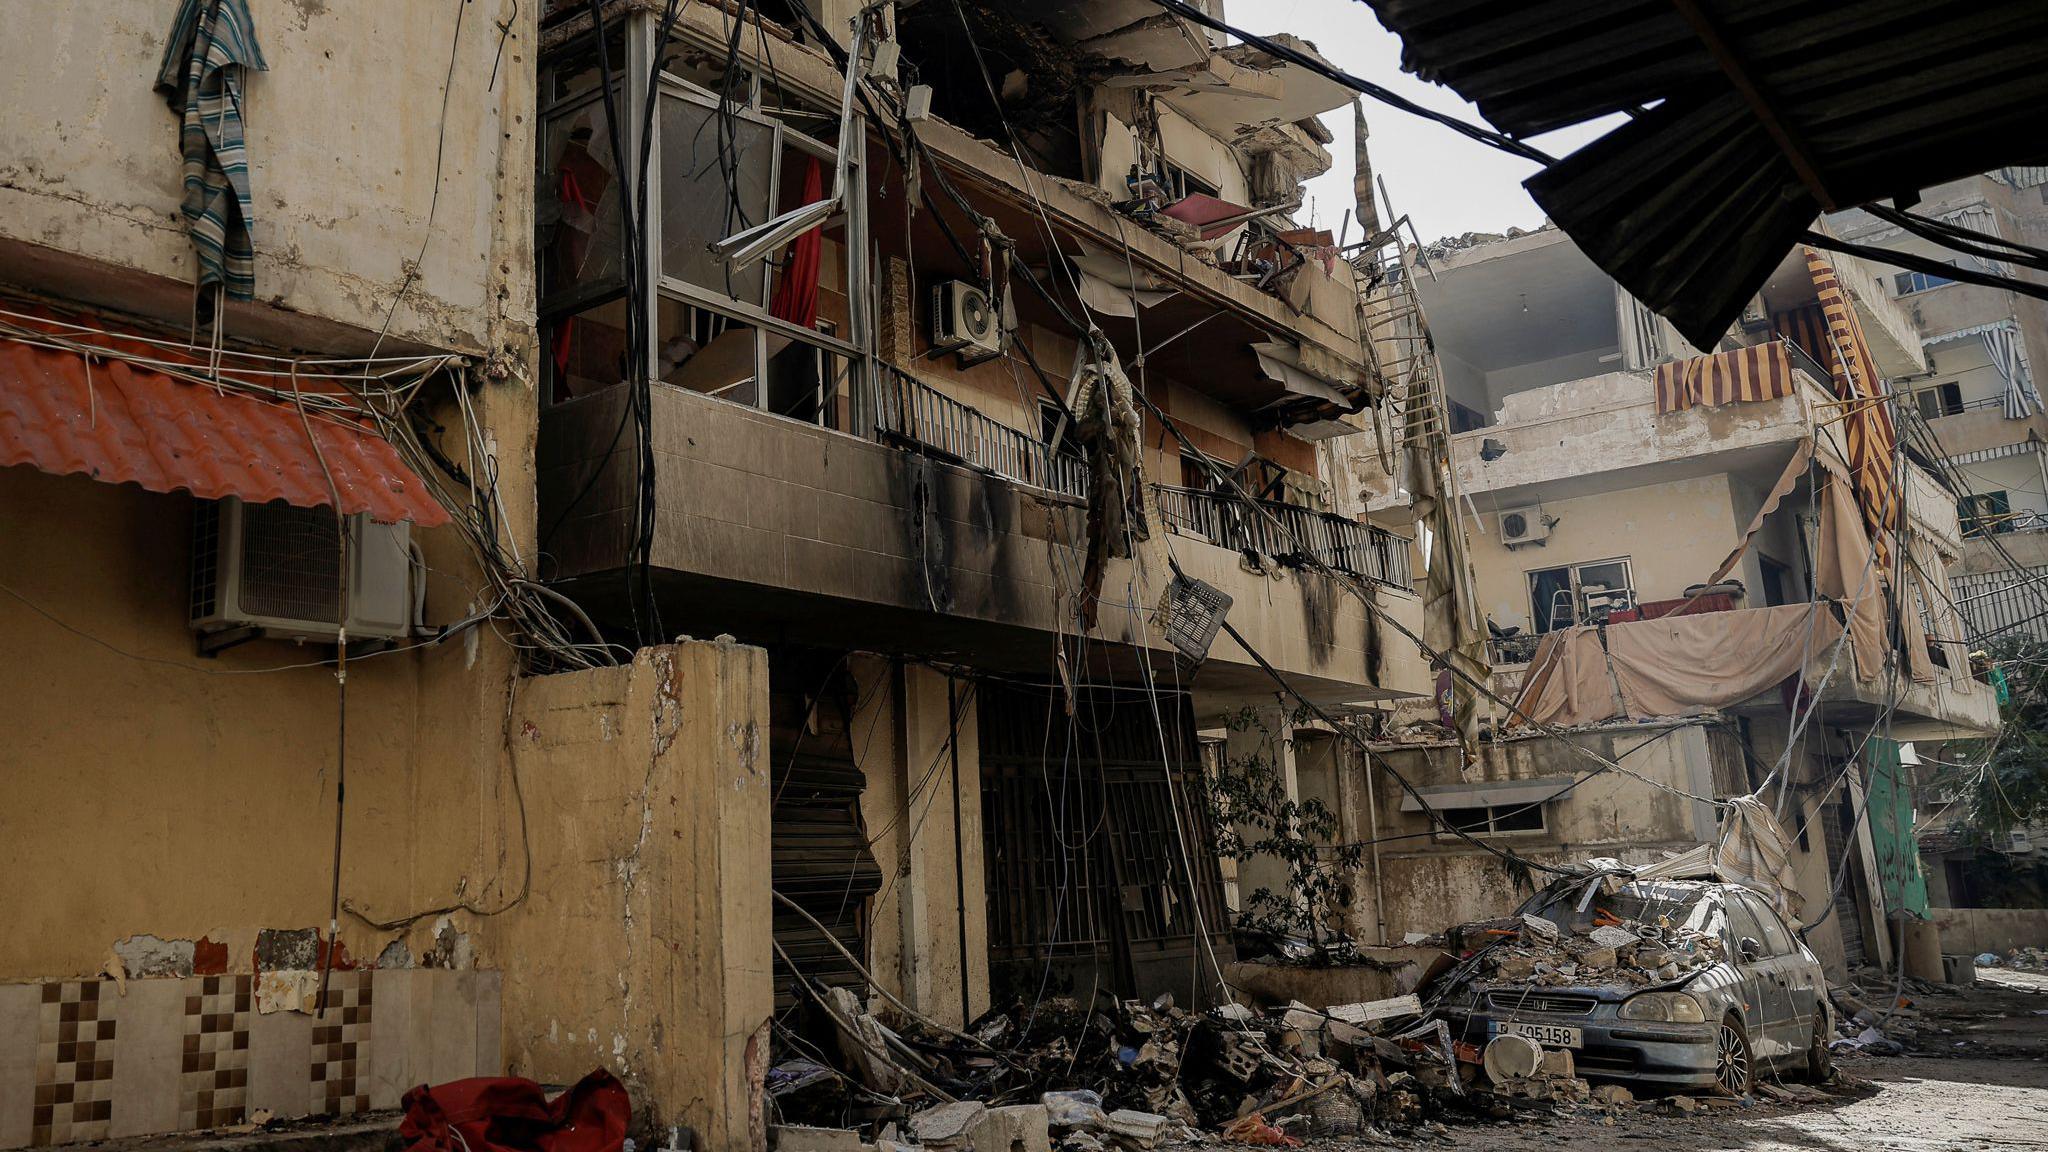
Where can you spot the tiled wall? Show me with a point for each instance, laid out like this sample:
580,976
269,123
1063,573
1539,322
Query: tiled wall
81,1060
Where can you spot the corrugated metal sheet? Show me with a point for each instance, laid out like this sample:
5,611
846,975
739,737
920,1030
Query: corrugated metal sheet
127,424
1690,204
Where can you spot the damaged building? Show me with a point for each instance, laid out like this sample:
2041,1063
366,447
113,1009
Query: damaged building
1703,574
666,509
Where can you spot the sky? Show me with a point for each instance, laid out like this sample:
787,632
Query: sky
1445,183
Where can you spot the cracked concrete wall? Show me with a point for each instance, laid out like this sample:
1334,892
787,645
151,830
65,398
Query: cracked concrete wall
644,946
343,134
1433,880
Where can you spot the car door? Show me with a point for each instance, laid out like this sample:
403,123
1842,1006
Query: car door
1803,982
1741,923
1782,1026
1758,1011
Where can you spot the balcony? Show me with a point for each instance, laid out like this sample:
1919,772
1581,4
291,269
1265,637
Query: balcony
1345,545
1604,433
906,521
907,411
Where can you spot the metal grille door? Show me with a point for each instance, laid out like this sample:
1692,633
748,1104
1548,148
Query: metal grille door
1090,835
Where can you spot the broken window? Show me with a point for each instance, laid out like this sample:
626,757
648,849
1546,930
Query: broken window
1495,819
584,351
1569,594
578,212
785,331
717,169
1938,400
1985,513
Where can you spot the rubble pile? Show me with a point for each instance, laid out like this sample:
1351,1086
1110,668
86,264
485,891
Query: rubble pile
1534,952
1129,1076
2019,960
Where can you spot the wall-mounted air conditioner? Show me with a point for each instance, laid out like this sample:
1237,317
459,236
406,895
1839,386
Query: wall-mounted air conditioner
1523,526
272,570
964,320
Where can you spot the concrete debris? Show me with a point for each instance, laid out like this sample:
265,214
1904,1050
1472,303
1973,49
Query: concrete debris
1532,951
1613,1096
802,1138
948,1125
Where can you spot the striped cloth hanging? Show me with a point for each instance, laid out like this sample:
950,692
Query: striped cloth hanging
212,44
1807,326
1866,418
1762,372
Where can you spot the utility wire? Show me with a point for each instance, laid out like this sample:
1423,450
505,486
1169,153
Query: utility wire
1364,87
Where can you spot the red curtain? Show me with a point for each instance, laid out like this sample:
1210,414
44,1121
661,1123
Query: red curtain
796,291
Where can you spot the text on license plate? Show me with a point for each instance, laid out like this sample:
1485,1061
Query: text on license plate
1550,1035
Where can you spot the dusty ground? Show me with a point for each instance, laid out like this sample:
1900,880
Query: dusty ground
1978,1084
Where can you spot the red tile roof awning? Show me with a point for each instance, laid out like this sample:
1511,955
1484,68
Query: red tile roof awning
126,423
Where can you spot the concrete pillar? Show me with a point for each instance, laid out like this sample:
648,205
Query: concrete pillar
941,906
644,942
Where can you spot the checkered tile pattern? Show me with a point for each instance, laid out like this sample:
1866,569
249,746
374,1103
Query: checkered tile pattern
74,1097
213,1080
341,1046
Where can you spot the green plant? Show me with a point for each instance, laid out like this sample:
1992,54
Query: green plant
1255,817
2002,784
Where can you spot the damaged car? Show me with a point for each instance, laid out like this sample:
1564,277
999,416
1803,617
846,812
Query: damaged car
1674,984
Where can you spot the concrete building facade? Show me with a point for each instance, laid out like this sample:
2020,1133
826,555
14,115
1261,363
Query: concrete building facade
1588,499
530,825
1978,392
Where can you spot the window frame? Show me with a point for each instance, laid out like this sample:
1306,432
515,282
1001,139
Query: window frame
852,340
1998,510
1573,571
1493,831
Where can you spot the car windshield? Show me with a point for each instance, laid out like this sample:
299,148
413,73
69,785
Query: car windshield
1640,902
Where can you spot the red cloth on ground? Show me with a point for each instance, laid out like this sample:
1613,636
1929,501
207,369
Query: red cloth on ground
510,1114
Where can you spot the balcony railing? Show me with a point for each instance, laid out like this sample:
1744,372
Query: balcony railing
908,409
1345,545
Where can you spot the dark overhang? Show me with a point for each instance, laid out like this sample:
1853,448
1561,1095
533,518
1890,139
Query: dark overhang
1748,118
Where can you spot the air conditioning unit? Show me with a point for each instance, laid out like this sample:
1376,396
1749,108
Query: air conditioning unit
2018,843
272,570
1523,526
1756,314
965,321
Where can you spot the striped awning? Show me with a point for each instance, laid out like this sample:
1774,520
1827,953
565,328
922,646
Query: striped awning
1866,421
1998,453
1762,372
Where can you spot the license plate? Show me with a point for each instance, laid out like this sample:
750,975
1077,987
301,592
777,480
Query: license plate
1549,1035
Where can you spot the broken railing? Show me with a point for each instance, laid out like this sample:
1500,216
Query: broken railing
1345,545
907,409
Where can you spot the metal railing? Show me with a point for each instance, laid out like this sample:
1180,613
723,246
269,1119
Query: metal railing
1804,362
906,408
1345,545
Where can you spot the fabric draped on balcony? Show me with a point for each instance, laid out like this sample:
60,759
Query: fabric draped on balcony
1673,666
1806,326
1763,372
1866,420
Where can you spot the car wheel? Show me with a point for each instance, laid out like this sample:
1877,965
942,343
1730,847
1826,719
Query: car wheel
1734,1068
1820,1060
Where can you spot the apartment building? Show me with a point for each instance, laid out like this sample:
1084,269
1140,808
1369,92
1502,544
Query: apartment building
1618,487
1978,392
772,478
